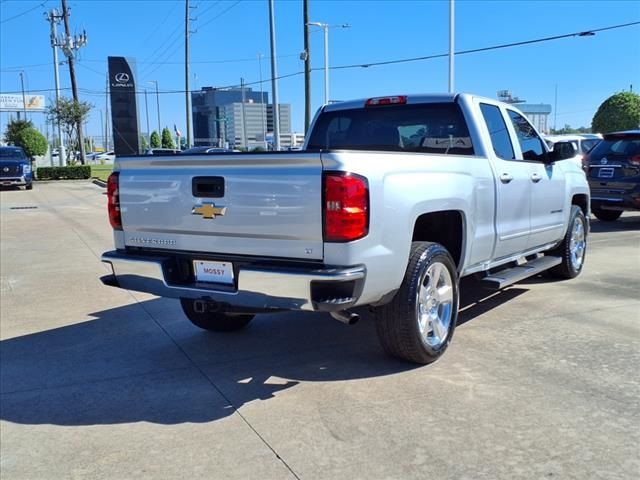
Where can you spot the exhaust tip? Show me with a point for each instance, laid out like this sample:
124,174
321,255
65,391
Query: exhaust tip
348,318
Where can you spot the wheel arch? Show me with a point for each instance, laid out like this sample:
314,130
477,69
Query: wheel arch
446,227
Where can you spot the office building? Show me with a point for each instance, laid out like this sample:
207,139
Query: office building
208,116
538,115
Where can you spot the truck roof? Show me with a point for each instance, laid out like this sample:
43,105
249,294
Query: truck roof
411,99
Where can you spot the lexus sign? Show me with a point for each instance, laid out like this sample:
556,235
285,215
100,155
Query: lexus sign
124,111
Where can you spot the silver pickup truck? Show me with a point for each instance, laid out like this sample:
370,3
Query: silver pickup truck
391,202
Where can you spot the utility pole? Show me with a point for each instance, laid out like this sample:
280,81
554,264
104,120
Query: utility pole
245,141
274,76
24,98
146,107
187,92
263,109
157,104
106,115
69,47
102,131
451,42
54,17
307,68
555,110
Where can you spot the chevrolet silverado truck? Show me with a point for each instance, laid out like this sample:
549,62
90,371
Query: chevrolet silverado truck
391,202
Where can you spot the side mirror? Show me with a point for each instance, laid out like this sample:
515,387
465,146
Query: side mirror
562,151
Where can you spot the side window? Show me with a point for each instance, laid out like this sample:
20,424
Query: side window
530,142
498,130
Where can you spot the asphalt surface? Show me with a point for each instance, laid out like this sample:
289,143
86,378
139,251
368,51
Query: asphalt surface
541,381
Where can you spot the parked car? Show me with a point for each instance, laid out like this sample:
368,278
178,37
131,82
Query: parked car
613,172
392,201
581,143
103,157
161,151
15,168
207,150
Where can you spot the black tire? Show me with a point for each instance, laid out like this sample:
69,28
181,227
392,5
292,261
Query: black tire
397,322
214,321
29,187
568,268
606,215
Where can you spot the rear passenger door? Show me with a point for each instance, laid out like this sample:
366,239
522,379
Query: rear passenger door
512,184
547,185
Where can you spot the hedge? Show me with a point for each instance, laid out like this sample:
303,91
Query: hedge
75,172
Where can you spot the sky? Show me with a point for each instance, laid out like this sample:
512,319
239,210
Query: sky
229,36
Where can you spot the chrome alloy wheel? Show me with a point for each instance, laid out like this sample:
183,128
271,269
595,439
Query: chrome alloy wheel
578,243
435,305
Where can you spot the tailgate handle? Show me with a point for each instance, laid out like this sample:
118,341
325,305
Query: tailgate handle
208,187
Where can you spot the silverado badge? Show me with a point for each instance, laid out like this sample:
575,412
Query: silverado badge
208,210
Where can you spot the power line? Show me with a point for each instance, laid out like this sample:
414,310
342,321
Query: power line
158,25
219,15
208,8
24,13
584,33
390,62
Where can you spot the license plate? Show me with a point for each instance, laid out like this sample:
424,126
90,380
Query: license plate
605,173
213,272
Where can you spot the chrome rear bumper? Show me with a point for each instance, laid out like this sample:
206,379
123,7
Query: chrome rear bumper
257,287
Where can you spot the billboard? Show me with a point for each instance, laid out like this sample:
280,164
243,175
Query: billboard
14,102
124,111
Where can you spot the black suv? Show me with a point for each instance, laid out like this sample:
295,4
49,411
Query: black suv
613,171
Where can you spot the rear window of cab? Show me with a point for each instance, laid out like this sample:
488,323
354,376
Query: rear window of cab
430,128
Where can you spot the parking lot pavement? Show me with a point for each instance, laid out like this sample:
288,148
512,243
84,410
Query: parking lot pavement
541,380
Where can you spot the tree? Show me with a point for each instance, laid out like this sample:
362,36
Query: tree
567,129
167,139
143,143
13,129
155,140
618,112
32,142
69,114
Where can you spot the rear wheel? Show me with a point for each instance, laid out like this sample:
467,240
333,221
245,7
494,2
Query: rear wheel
418,324
573,247
606,215
214,321
29,187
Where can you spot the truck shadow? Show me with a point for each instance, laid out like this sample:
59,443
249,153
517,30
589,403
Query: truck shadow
146,363
626,223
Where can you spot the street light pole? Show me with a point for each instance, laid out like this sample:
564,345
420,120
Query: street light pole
274,78
263,108
451,42
24,98
146,107
158,103
325,27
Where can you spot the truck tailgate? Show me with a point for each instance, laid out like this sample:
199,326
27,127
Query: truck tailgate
241,204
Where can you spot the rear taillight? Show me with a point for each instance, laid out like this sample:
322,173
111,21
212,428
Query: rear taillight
113,201
635,160
346,207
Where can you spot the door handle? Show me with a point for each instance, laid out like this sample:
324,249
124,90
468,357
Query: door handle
535,178
506,178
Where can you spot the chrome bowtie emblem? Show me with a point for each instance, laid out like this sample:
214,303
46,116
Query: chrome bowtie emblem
209,210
